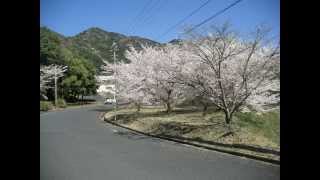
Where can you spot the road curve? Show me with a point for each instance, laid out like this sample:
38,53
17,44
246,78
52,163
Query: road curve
76,145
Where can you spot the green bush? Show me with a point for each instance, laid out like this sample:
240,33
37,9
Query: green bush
249,119
267,123
61,103
45,105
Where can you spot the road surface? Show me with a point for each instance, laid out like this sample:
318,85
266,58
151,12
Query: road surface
76,145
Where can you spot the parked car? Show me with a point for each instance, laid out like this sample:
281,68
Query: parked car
109,101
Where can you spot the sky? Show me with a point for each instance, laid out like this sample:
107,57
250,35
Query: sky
152,18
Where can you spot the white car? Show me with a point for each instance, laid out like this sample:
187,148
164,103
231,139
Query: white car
110,101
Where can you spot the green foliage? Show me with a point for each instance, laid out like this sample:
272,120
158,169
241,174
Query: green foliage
79,80
93,45
50,47
45,105
261,130
248,118
61,103
84,55
267,123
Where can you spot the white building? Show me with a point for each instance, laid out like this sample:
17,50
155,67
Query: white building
105,89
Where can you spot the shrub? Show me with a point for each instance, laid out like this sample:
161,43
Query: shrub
45,105
266,124
61,103
249,119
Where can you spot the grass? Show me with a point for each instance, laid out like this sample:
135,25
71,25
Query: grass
250,128
266,125
80,103
46,105
49,105
61,103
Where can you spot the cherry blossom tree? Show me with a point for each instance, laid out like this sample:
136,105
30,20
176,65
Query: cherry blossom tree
44,80
231,71
149,76
129,82
160,82
48,74
192,74
220,69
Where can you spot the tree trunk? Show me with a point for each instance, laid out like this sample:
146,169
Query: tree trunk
138,106
228,119
82,98
169,109
205,108
228,116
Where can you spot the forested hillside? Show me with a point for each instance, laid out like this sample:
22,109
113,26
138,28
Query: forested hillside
92,45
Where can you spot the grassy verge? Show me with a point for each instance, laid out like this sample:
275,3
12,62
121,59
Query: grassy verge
62,104
46,105
76,104
188,124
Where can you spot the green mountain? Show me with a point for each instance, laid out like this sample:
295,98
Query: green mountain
175,41
93,45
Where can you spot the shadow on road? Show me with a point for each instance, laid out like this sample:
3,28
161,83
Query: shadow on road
102,108
136,136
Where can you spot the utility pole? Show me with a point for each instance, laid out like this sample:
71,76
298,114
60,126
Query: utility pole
114,46
52,72
55,87
57,72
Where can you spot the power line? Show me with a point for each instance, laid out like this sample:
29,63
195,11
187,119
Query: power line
140,13
215,15
185,18
147,20
150,10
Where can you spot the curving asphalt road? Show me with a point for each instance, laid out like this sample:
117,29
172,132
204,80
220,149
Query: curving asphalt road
76,145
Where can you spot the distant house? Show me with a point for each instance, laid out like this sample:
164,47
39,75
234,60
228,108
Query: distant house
106,87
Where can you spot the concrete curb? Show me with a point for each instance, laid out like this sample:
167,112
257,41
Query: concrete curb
196,145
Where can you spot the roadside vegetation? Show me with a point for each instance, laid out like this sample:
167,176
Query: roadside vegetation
75,75
250,128
46,105
220,69
219,88
252,131
49,105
